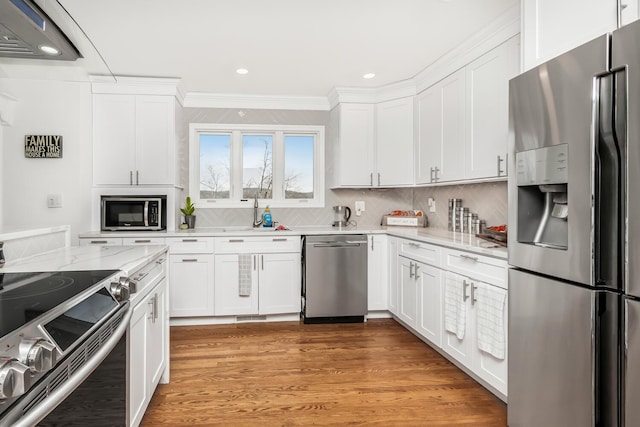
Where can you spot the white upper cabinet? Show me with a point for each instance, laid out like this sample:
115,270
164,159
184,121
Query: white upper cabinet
628,11
374,145
462,121
487,111
354,152
552,27
394,142
133,140
440,112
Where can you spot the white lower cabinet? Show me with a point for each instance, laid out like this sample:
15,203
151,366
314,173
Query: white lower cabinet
467,350
394,276
147,356
377,272
420,297
417,293
257,276
191,279
273,288
191,276
429,307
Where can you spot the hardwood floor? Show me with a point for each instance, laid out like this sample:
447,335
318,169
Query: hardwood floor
289,374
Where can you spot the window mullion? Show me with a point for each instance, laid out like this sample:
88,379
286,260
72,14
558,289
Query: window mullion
236,169
278,166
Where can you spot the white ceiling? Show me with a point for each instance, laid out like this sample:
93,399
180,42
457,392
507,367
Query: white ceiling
290,47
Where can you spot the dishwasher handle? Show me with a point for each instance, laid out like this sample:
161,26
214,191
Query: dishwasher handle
347,244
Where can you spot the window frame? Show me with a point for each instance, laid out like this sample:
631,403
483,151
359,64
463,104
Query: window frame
278,164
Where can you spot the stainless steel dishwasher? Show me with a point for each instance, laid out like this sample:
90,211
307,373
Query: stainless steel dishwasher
334,278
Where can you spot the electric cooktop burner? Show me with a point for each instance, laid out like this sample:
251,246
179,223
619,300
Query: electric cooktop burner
25,296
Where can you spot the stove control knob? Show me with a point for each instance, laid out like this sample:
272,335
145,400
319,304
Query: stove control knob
38,354
15,378
120,289
129,284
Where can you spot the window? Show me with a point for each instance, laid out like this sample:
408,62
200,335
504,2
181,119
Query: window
281,165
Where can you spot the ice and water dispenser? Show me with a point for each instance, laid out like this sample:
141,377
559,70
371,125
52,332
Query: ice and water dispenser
543,209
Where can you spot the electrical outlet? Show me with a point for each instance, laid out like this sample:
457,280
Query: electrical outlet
359,207
431,202
54,200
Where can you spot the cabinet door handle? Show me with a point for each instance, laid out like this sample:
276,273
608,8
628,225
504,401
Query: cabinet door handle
500,160
262,262
378,179
473,293
130,177
431,175
98,242
371,179
142,241
469,258
411,270
189,240
155,308
137,180
465,285
435,172
236,240
161,261
190,260
254,262
279,240
372,240
141,276
415,271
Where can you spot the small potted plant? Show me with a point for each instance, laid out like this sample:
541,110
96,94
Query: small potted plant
187,211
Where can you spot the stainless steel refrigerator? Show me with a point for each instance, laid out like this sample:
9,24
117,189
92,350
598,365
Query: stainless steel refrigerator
574,237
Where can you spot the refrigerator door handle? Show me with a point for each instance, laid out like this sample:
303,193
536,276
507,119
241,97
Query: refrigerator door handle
609,180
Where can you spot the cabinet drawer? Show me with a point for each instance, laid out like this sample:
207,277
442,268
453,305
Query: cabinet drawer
143,241
243,244
478,267
423,252
101,241
190,245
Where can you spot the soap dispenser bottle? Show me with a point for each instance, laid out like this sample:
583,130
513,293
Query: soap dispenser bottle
267,221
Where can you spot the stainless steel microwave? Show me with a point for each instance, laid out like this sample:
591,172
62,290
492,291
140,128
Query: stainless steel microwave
129,213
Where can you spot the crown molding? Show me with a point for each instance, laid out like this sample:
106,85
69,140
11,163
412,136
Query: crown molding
388,92
499,31
263,102
107,84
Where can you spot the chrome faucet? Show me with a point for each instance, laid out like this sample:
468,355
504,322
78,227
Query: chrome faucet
256,222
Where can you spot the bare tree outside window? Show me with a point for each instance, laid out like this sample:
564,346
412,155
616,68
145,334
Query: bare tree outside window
215,158
257,166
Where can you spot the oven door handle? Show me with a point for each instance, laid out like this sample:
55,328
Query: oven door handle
38,412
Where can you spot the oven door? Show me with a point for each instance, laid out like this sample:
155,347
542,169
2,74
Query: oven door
87,388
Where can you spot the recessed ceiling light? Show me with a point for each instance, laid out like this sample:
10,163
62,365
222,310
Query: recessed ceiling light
49,50
242,71
369,76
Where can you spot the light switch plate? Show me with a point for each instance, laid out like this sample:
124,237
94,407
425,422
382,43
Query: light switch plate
359,207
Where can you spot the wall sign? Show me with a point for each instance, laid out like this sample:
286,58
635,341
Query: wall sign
43,146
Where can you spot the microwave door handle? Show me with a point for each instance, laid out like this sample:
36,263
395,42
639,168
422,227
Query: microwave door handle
146,213
608,191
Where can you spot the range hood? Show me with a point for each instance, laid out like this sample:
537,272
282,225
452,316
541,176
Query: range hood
27,32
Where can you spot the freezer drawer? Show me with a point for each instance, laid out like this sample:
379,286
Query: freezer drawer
555,329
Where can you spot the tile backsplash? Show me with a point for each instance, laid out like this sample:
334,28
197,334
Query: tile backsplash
488,200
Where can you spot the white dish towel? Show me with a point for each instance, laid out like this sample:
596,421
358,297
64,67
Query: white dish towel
490,319
455,310
244,275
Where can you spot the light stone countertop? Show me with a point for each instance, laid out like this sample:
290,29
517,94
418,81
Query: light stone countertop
125,258
12,233
460,241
